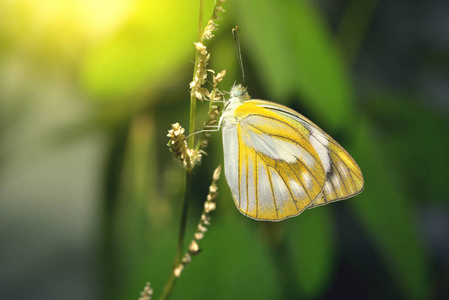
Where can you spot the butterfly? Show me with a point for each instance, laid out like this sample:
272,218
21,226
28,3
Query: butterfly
278,163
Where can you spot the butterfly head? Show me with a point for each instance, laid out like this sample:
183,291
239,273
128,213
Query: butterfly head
239,92
238,95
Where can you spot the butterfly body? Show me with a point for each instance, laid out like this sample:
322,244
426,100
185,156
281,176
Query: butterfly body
278,163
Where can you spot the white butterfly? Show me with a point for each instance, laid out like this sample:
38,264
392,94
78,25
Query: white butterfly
278,163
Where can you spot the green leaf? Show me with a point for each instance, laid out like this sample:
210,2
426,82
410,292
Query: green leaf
295,53
313,250
405,124
157,38
387,215
233,265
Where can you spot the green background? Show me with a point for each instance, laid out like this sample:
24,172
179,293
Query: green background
90,196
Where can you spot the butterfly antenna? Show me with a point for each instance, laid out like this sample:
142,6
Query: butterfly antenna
235,33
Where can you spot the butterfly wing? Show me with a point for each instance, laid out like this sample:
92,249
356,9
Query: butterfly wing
271,166
343,176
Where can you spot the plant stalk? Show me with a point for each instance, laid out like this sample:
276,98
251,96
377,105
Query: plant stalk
182,229
193,99
168,288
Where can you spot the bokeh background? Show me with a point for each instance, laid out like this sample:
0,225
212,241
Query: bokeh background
90,197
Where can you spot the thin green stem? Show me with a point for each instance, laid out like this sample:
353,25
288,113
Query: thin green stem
200,20
168,288
193,99
191,141
182,226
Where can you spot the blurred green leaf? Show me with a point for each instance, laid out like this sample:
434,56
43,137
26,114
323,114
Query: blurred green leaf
295,54
387,215
137,216
313,250
409,132
233,265
157,38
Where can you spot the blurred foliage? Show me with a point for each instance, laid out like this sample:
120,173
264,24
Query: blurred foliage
119,71
309,59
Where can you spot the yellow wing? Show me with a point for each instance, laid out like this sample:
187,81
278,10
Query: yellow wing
271,166
344,178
